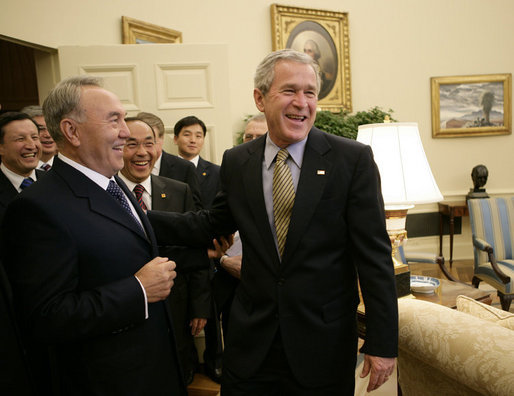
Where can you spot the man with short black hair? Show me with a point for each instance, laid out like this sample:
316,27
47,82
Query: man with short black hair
20,150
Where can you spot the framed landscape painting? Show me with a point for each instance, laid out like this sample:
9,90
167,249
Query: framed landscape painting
476,105
323,35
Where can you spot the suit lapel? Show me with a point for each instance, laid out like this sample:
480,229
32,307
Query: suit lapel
7,190
142,215
252,180
99,200
202,171
313,176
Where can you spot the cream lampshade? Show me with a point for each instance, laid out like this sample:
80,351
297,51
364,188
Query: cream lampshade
404,171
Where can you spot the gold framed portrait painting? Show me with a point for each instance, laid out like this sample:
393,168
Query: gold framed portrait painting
324,36
477,105
139,32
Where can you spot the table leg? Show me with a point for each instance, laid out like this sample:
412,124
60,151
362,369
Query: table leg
452,223
440,234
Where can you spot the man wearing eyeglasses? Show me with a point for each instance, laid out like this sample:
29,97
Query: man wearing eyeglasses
48,146
190,296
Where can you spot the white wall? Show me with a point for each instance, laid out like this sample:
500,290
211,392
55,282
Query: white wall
395,47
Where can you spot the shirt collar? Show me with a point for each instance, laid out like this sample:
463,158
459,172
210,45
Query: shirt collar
96,177
295,150
16,179
157,166
49,162
147,184
193,160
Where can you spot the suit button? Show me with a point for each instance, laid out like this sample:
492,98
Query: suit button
281,281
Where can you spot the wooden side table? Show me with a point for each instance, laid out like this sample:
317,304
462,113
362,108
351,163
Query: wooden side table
452,210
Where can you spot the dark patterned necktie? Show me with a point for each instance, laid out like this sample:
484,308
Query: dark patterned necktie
139,190
283,198
46,167
26,182
118,194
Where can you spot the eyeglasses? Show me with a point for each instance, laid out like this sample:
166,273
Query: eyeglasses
134,145
247,137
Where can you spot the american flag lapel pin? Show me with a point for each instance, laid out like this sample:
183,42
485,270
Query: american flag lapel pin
320,172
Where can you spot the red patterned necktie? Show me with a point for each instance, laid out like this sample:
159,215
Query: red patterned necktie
139,190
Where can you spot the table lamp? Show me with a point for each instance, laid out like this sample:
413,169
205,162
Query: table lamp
405,175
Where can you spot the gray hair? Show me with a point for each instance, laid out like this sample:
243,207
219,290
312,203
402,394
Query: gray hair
33,111
256,118
64,101
265,72
153,121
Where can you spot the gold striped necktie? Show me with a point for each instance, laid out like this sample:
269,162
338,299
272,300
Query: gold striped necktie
283,198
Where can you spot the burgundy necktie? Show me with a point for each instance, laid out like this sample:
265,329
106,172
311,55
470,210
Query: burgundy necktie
139,190
46,167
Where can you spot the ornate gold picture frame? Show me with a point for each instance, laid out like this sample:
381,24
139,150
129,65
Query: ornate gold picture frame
139,32
476,105
324,36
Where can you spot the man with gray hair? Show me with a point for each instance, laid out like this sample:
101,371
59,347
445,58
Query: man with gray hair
309,210
90,286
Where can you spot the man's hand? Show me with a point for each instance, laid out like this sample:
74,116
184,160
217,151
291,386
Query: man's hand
232,264
381,368
157,278
220,249
197,325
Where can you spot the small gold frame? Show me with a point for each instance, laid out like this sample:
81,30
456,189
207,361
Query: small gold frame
294,27
139,32
465,110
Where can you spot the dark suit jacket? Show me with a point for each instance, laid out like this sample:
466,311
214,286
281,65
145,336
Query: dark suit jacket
191,289
176,168
8,192
209,178
15,378
71,252
336,233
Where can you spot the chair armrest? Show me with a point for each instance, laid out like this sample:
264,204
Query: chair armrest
486,247
431,258
481,244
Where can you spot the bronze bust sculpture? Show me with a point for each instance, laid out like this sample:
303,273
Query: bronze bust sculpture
479,176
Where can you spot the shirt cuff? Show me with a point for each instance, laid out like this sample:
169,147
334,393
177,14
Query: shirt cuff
144,294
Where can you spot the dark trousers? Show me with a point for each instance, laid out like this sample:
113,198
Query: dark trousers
274,378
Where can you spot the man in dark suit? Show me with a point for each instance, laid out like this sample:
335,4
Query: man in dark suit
82,257
20,150
169,165
189,136
306,238
191,294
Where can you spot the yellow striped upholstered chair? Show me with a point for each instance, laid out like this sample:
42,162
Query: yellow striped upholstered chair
492,227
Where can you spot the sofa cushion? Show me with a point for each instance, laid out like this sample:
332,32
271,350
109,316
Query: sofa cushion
480,310
476,355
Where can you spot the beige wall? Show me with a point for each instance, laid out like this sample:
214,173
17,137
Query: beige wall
395,47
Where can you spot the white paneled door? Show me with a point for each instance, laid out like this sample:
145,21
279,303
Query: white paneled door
169,80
